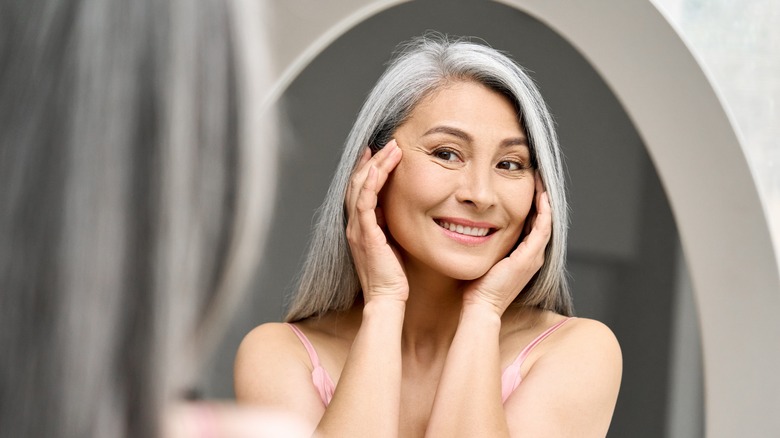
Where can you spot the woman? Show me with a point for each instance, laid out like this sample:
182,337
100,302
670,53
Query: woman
434,300
132,208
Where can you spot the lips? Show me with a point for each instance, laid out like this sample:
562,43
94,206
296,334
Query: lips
465,228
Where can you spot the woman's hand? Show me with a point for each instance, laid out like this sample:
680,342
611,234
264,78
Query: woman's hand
376,261
501,284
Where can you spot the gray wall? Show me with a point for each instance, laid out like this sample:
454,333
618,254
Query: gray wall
624,255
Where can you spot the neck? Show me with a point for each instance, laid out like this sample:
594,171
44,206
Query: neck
432,314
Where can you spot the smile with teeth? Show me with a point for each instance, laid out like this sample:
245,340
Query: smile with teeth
460,229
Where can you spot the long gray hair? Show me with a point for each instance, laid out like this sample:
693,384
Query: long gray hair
126,216
329,281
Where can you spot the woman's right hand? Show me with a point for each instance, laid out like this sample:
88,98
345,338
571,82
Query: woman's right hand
376,261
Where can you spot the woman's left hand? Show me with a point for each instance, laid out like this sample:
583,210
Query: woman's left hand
501,284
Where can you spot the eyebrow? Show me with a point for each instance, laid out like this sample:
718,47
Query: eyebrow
463,135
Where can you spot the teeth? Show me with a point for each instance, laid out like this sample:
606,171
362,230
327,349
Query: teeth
460,229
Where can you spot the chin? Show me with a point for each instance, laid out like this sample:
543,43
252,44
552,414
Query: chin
466,272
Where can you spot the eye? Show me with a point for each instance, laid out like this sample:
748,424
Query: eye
445,154
510,165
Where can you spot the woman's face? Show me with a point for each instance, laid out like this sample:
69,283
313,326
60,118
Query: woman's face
457,201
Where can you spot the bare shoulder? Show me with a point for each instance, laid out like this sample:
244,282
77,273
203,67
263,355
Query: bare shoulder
261,351
266,341
526,324
584,348
588,334
272,369
571,386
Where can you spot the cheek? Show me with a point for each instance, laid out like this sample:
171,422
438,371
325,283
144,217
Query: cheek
519,205
413,182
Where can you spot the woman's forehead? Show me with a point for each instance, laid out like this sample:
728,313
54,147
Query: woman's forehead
465,108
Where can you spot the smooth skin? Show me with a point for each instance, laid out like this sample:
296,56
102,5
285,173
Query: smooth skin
421,354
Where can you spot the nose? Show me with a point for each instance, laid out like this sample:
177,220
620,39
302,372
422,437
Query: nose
476,187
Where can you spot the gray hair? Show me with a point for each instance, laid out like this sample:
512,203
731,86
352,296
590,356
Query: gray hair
123,207
329,281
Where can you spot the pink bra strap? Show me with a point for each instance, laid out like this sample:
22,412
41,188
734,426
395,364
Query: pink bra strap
510,378
527,350
319,376
315,359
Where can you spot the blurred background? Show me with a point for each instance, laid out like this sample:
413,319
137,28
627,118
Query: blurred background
626,262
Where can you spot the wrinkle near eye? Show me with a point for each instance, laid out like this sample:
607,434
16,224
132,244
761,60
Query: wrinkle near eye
424,150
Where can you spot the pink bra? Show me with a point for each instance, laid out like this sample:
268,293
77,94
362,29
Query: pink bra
510,378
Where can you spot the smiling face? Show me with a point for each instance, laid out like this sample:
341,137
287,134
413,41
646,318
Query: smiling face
457,201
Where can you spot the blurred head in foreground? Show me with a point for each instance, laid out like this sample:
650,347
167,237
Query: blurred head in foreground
136,175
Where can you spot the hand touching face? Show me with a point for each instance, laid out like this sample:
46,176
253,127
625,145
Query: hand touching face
458,200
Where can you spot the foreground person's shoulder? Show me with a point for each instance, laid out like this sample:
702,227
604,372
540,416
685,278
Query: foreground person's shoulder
186,420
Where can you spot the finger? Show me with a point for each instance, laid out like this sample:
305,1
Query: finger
533,246
540,190
529,221
366,203
531,216
380,156
359,175
539,186
388,163
385,161
364,157
542,227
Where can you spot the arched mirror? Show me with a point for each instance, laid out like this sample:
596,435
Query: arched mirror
626,256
